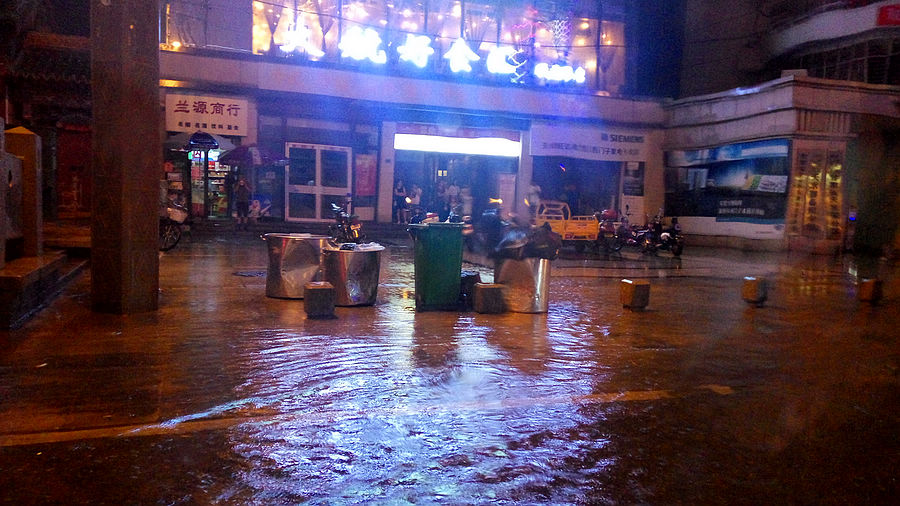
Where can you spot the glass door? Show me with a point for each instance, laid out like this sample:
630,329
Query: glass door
316,176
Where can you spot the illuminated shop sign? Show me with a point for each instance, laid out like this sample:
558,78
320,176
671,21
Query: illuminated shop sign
210,113
416,50
471,141
362,44
560,73
461,56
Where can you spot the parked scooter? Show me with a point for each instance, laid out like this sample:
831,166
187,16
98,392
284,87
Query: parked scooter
346,227
420,215
613,233
655,238
170,226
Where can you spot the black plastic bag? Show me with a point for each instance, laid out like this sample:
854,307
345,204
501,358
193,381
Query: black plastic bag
543,243
513,244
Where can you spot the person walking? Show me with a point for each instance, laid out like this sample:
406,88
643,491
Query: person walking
242,196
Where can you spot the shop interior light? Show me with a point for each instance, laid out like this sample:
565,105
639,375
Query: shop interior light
491,146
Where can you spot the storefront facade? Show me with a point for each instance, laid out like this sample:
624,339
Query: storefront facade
594,168
194,177
356,133
791,164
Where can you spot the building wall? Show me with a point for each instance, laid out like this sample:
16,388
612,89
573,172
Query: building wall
823,27
723,46
836,131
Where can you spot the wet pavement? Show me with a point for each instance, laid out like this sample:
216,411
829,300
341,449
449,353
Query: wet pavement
227,396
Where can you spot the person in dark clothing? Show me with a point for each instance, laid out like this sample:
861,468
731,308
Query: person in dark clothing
242,196
399,202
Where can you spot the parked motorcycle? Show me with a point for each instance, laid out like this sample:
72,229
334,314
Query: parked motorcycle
346,227
170,226
614,232
654,238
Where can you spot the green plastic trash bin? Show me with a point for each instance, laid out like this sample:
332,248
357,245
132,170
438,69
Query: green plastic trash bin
438,265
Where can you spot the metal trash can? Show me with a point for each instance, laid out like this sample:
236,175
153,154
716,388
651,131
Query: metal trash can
353,273
294,260
528,281
437,264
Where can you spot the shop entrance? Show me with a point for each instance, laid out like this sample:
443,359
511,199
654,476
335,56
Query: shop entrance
210,185
315,177
587,186
478,179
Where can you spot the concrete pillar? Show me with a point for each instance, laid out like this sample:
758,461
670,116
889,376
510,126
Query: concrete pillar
127,157
526,174
383,213
27,145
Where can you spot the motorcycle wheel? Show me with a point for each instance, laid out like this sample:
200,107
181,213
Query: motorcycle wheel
169,235
677,248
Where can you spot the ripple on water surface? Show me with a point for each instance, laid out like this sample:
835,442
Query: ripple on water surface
434,405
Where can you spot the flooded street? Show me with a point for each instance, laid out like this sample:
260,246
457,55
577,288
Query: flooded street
227,396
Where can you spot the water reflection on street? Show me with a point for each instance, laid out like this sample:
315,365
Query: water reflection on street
699,399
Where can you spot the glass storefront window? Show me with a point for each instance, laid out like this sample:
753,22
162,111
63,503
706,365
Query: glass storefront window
334,169
301,206
302,167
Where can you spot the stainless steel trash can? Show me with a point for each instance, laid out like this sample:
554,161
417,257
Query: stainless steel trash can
353,273
527,282
294,260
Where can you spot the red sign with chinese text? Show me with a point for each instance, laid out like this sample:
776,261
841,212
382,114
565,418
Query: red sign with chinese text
366,175
889,15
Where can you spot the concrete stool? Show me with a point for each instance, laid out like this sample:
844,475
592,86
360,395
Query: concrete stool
635,294
870,290
318,299
754,290
489,298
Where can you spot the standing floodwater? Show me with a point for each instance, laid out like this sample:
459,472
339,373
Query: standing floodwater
228,396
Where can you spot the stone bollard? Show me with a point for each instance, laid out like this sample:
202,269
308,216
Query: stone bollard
489,298
754,290
467,282
635,294
318,299
869,290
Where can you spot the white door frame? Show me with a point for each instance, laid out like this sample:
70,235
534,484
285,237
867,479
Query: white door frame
318,189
